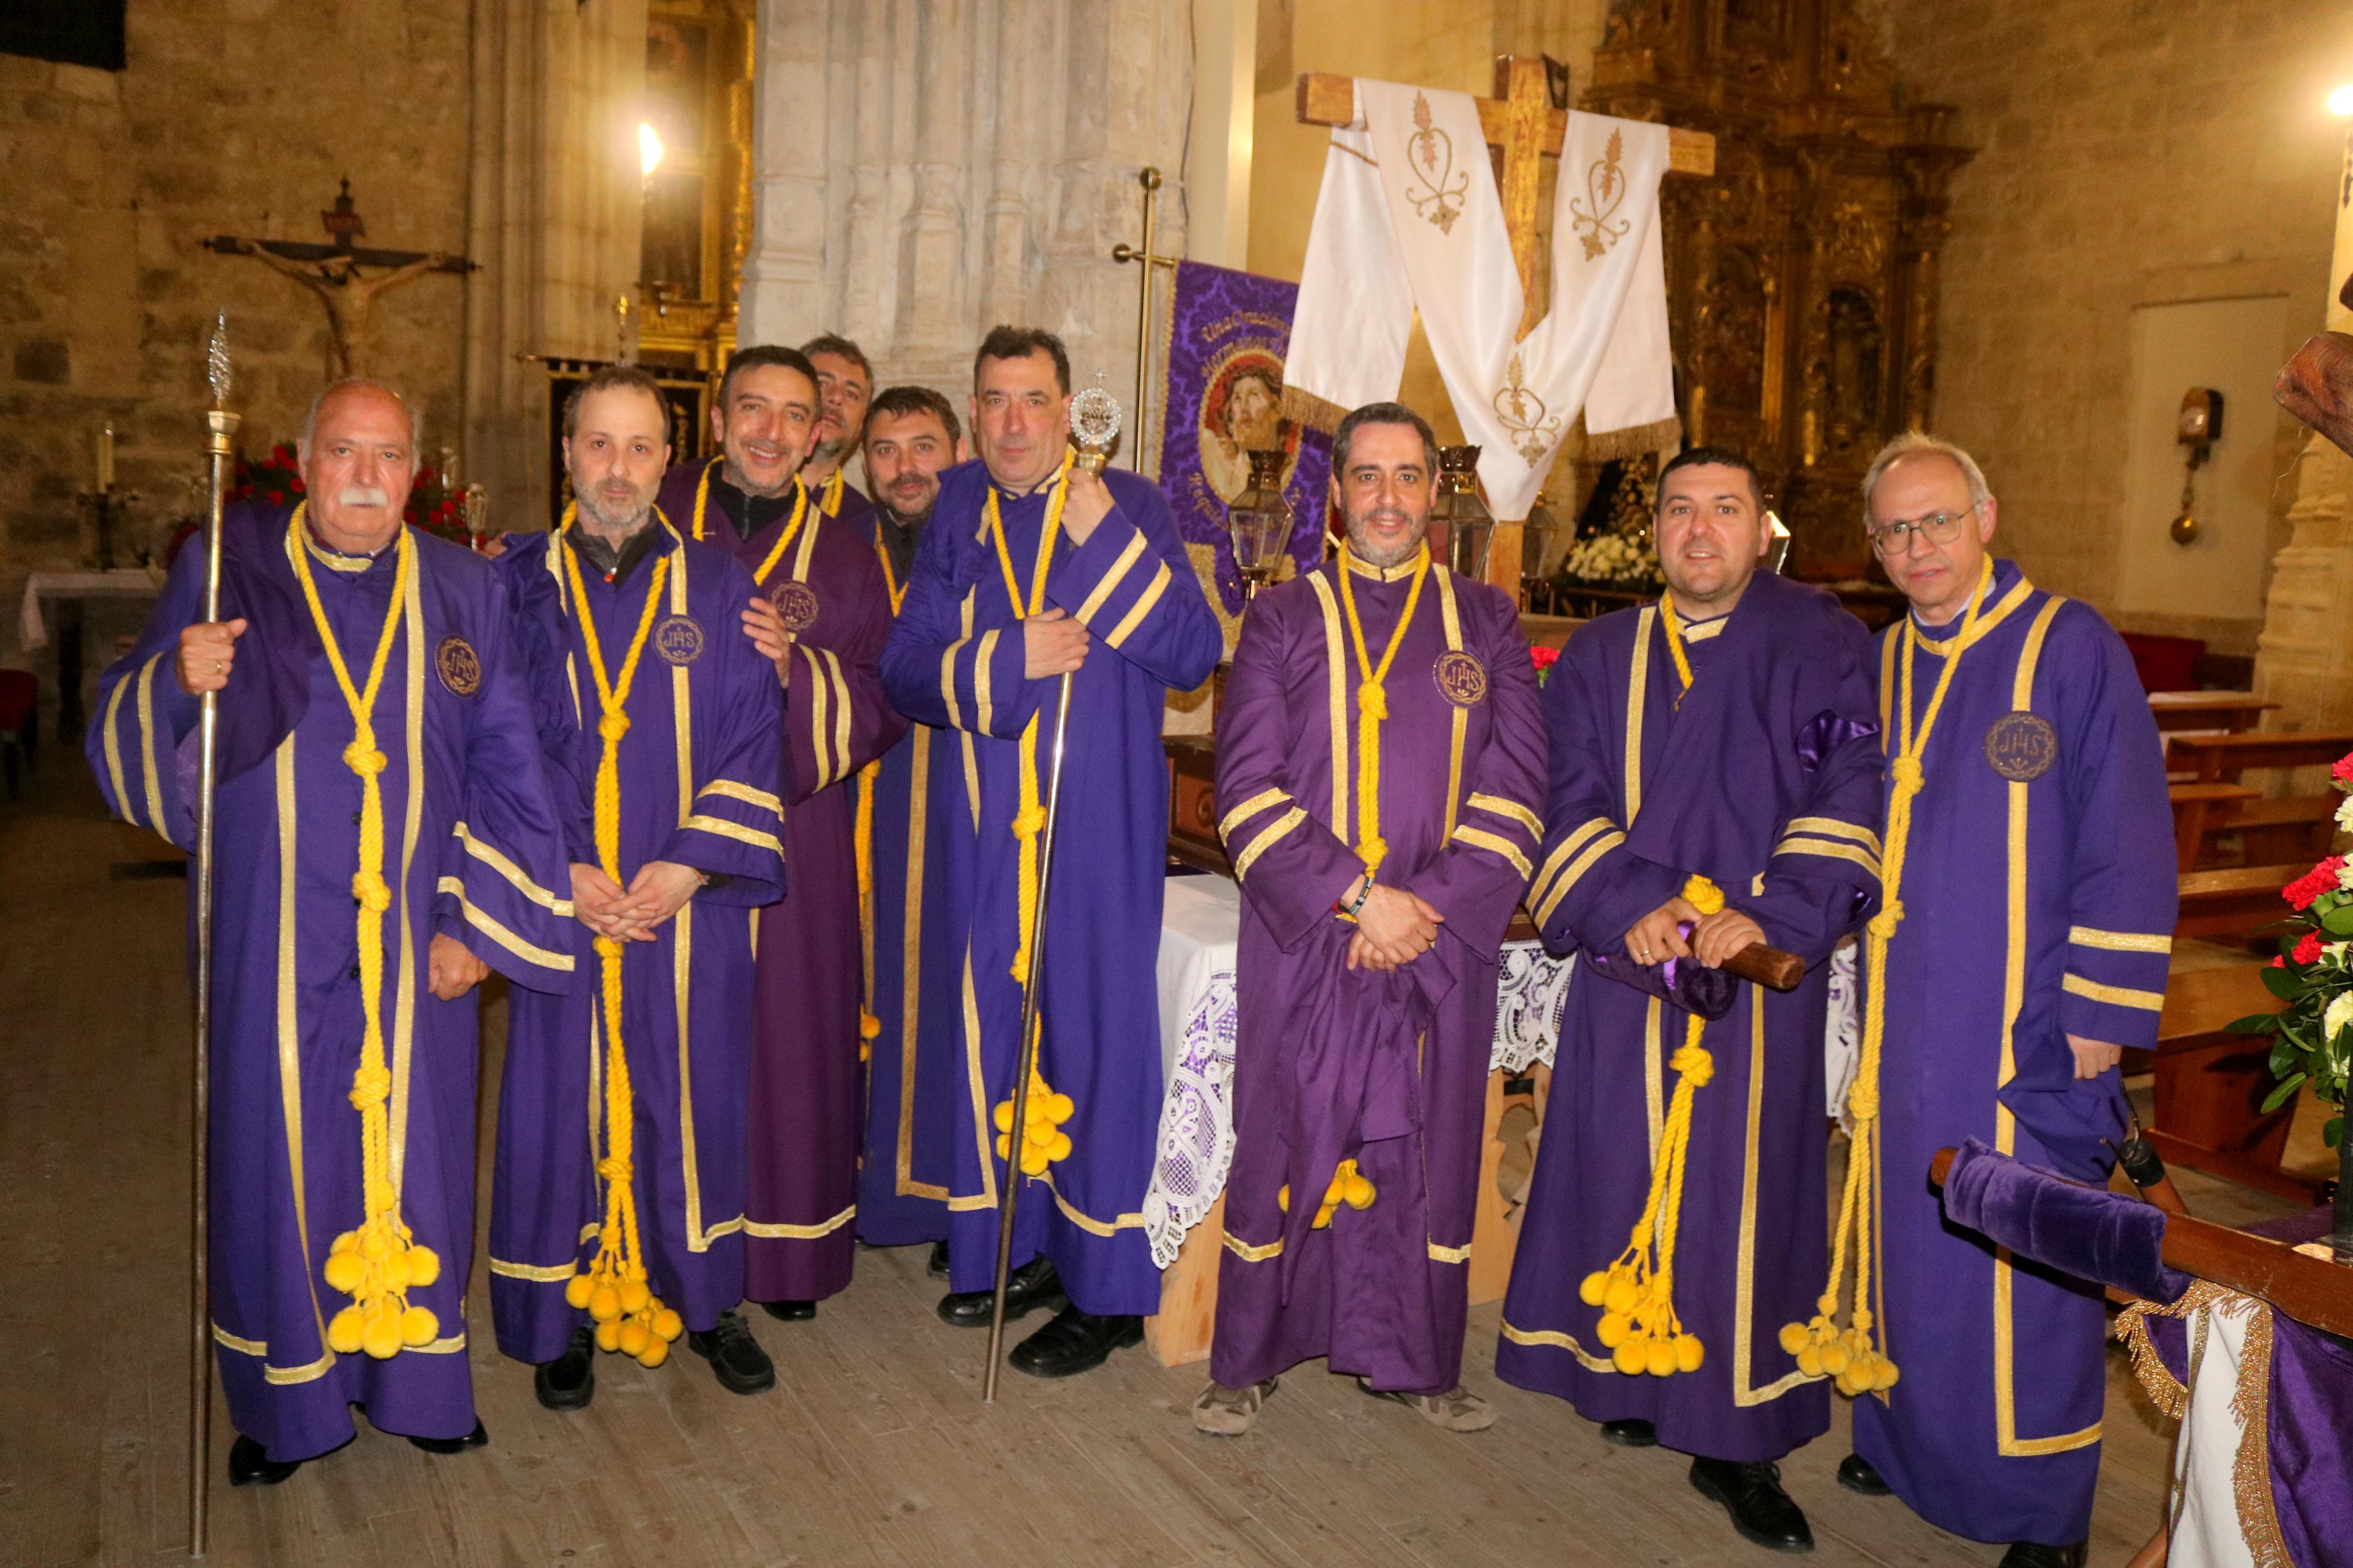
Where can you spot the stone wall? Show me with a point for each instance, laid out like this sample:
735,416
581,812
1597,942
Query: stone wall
233,117
2128,153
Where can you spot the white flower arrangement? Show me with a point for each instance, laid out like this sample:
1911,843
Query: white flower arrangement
1611,558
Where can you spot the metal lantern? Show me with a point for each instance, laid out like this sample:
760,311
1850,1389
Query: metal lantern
1536,546
1460,526
1260,522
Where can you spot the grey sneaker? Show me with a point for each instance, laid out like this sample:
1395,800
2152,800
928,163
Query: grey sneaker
1225,1411
1456,1410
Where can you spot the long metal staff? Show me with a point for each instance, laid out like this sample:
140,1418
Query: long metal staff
220,424
1028,1063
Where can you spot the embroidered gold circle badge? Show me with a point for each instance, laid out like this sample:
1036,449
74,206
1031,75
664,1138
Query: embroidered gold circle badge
795,604
1461,678
2021,746
460,667
678,640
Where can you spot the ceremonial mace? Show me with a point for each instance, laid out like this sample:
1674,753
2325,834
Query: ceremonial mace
1094,421
220,424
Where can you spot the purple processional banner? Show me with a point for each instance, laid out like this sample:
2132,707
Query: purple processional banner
1228,335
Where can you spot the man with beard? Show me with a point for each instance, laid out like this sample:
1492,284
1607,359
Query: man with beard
618,1210
912,435
1032,569
1385,756
1253,422
1714,783
378,830
845,379
822,618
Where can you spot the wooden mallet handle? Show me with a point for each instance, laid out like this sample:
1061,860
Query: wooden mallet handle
1767,966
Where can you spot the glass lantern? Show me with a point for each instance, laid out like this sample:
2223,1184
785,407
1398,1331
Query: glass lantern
1460,526
1537,535
1260,522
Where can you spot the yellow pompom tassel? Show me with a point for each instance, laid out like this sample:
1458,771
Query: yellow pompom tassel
656,1351
668,1325
604,1305
577,1290
346,1332
608,1336
343,1272
418,1326
381,1338
634,1338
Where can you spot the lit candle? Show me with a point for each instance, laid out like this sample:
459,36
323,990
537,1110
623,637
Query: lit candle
106,457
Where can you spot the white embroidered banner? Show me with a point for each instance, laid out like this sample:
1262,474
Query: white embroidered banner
1408,216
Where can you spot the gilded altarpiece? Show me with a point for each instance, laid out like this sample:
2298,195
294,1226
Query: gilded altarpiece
698,195
1802,279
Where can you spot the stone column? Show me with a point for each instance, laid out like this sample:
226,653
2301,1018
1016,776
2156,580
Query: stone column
2303,660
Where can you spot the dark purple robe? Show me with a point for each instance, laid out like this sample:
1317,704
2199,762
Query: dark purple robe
955,659
1330,1064
2038,902
698,769
803,1127
1766,780
474,849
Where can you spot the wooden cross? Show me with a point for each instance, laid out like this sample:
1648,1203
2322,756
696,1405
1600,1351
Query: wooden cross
1523,129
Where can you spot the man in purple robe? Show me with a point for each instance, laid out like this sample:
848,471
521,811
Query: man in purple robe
845,378
913,435
2033,924
1715,746
1030,570
1381,763
383,835
822,618
619,1194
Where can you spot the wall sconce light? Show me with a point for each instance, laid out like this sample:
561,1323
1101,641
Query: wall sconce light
649,151
2340,102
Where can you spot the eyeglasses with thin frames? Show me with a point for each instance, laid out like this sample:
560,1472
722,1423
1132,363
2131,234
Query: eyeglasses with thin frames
1937,528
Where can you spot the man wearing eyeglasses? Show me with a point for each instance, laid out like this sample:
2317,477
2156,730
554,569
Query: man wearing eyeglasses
2029,906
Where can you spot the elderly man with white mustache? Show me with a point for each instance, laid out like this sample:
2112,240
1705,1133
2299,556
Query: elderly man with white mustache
385,836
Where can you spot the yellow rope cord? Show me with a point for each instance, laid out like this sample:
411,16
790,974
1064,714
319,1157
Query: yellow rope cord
1636,1294
869,779
1042,1139
785,540
891,584
629,1317
702,495
1855,1356
1373,706
1673,625
377,1264
831,505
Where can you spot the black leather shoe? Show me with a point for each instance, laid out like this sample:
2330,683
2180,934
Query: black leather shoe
1033,1285
790,1311
1752,1495
1856,1475
1631,1432
938,1268
569,1382
478,1438
1074,1342
249,1465
2027,1555
735,1357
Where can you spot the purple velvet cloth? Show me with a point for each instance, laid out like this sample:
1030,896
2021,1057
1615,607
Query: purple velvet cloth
2088,1232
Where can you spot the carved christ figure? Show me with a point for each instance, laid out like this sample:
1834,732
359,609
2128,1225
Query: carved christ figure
349,296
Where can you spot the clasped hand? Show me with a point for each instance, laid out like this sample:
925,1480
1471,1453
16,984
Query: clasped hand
765,625
657,891
1053,644
1393,928
1715,939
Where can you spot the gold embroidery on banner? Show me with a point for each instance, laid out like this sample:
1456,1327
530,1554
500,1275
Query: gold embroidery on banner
1430,155
1534,429
1605,192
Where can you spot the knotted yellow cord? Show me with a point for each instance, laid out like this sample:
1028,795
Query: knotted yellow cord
1373,706
377,1264
1042,1138
1674,625
1855,1356
629,1317
1636,1295
1348,1185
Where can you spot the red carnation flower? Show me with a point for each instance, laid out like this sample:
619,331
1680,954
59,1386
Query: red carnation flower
2321,879
2308,950
2277,962
1543,658
2342,769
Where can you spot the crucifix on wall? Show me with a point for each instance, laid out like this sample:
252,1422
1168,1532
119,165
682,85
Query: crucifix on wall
336,274
1524,125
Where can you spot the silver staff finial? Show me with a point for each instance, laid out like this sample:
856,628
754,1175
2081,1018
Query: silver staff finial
1095,417
216,365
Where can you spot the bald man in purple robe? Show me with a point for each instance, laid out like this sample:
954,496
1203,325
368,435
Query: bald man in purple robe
1724,734
1031,569
822,616
320,994
2036,917
617,1219
1381,765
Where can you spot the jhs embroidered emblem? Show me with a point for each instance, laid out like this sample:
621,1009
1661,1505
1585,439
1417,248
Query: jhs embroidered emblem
459,666
2021,746
678,640
796,605
1461,678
